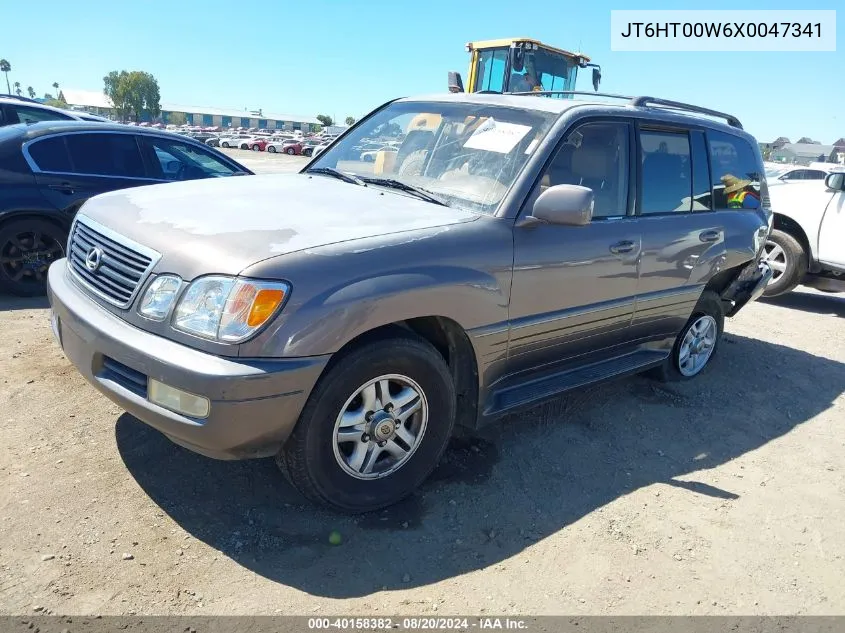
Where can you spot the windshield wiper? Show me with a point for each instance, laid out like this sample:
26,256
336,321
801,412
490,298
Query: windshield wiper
331,171
420,193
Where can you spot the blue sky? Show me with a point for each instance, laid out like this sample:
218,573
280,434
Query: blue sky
345,58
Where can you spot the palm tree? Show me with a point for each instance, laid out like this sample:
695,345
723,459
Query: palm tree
18,90
56,86
31,92
5,67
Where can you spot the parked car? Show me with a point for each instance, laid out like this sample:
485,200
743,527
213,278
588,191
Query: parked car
14,110
258,144
319,148
214,141
806,245
236,140
500,260
49,169
293,147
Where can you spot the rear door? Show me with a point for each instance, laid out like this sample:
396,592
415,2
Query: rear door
683,236
70,168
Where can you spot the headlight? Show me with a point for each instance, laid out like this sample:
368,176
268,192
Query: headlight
159,297
228,309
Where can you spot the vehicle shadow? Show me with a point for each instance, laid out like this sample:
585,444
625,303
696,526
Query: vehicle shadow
818,303
9,303
522,480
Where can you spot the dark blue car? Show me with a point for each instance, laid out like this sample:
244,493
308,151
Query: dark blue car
48,169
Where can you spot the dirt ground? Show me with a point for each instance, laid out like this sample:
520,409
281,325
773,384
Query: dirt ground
724,495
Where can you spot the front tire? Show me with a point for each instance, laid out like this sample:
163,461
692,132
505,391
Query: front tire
290,151
788,261
697,343
27,248
374,428
255,148
271,149
224,144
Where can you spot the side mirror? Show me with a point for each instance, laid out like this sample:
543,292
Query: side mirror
596,78
567,205
456,84
835,181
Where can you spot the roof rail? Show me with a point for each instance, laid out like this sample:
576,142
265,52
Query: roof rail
649,101
571,92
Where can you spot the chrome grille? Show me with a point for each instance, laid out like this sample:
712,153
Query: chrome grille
123,264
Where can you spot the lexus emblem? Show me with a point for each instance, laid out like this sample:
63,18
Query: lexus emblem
93,258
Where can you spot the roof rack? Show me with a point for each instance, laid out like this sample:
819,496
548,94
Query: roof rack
649,101
642,102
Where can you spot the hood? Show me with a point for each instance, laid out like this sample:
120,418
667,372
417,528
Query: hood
224,225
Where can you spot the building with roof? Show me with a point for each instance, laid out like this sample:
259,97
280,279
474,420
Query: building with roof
99,103
805,153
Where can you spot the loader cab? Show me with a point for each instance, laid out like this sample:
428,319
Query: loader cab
521,65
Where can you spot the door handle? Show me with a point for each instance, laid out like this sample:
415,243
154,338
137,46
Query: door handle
64,187
625,246
709,236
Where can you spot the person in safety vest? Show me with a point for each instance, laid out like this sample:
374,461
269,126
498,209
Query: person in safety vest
739,193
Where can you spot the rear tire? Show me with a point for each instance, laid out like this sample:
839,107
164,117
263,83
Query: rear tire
319,458
697,343
788,260
27,249
290,151
271,149
255,148
226,145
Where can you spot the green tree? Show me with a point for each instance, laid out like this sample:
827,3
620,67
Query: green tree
133,93
31,92
55,103
325,119
177,118
18,90
6,67
47,96
350,120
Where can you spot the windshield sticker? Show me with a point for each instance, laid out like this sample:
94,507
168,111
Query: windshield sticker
496,136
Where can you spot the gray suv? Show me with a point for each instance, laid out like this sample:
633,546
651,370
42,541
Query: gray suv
346,318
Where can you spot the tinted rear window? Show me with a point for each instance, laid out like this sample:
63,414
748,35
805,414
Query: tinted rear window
106,155
735,171
50,154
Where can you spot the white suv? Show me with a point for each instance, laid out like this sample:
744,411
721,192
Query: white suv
806,246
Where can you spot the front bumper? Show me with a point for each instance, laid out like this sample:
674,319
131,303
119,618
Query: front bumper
254,403
748,286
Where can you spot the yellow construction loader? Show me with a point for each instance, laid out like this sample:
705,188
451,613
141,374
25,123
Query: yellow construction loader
521,64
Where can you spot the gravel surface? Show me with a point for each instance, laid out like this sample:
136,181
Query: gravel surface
723,495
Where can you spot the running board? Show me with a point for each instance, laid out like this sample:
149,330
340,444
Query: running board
532,391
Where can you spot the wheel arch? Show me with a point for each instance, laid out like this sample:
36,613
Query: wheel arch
449,339
788,225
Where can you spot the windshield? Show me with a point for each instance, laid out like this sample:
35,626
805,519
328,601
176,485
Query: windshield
467,155
539,70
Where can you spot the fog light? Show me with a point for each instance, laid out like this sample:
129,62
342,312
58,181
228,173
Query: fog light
177,400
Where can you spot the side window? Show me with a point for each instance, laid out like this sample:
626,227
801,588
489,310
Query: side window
25,114
173,160
51,155
666,172
736,176
595,155
795,174
101,154
814,174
